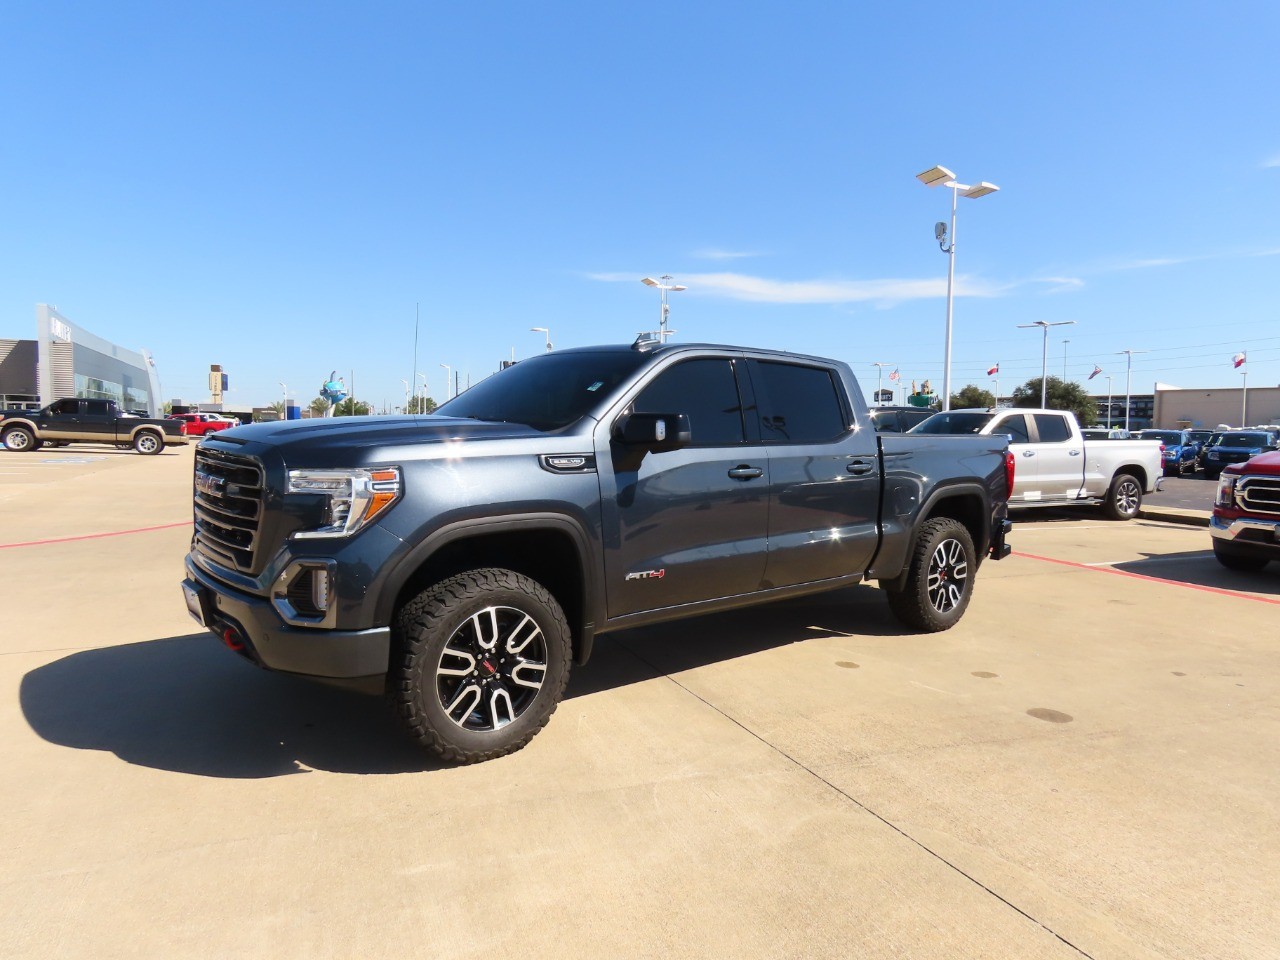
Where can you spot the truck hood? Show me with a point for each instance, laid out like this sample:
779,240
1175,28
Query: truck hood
1267,463
347,432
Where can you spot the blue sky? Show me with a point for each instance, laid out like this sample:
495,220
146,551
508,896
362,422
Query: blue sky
274,186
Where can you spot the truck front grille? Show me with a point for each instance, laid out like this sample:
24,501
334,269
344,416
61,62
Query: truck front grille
1259,494
228,508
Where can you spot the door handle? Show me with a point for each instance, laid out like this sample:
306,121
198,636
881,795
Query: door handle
1028,453
1074,453
860,467
744,472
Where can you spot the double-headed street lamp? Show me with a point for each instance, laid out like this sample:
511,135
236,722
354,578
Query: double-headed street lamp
879,379
448,386
1044,358
942,177
663,287
543,330
1128,381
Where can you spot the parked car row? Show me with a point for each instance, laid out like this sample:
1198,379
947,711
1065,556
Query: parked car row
198,424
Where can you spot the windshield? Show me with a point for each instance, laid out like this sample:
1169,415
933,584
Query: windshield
953,423
1243,440
546,392
1169,437
1199,436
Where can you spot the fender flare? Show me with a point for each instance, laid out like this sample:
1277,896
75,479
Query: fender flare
19,421
591,563
949,491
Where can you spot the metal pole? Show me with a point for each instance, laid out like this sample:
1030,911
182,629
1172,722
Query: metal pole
413,376
1244,397
997,391
1044,370
1128,371
1064,360
1108,403
951,279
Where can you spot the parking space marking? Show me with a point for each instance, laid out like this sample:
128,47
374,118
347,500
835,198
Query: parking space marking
1140,576
95,536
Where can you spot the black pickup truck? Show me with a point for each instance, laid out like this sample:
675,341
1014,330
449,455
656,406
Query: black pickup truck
77,420
462,561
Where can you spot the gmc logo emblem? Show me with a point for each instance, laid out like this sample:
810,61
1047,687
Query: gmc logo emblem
209,485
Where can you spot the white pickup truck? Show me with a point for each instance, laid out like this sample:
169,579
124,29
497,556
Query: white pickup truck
1055,466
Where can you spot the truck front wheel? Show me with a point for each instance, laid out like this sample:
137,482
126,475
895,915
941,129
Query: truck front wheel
148,443
481,663
1123,498
939,580
20,439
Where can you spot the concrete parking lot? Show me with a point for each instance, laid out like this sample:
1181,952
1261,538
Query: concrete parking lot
1085,767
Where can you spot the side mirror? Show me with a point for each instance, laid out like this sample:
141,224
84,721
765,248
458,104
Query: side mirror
655,432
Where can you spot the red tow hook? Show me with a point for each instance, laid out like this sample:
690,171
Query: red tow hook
232,639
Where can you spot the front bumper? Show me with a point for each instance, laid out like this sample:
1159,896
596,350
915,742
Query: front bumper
1246,536
250,625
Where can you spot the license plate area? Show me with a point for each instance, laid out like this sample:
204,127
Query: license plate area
197,602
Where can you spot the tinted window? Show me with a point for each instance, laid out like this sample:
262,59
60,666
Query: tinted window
707,391
1016,428
1170,437
885,421
1052,428
97,408
1244,440
953,423
797,404
65,407
909,418
546,392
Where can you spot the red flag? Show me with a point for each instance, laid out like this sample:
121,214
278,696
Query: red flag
895,376
1096,370
994,370
1239,359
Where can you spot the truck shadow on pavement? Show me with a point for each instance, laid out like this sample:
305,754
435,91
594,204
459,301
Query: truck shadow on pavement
187,705
1199,568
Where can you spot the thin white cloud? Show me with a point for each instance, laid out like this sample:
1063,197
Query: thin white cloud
1059,284
1148,262
738,286
1271,163
716,253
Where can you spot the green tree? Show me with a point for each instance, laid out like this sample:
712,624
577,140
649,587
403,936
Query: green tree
351,407
1059,396
422,405
168,407
320,406
278,407
973,396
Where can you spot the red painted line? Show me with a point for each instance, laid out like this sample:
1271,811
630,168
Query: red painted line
95,536
1143,576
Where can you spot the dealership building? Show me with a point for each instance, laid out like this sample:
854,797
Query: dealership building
66,360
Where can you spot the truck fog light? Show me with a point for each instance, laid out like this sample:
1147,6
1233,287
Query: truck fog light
320,589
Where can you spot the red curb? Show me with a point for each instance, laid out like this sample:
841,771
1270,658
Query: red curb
95,536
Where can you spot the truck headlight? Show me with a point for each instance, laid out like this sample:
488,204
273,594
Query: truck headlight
356,497
1225,497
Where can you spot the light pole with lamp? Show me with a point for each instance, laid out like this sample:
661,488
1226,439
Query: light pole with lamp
448,386
663,287
942,177
543,330
284,405
879,379
423,378
1044,354
406,394
1128,379
1064,360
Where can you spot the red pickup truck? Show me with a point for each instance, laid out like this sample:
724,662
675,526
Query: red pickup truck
198,424
1246,514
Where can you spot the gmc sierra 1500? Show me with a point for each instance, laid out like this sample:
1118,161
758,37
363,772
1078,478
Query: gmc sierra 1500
465,559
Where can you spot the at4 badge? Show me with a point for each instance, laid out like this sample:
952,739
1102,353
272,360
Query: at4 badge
647,575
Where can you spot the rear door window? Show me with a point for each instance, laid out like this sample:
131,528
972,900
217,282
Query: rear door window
1016,428
1052,428
797,404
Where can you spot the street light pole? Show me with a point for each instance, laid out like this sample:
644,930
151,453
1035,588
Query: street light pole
1244,398
664,310
1128,380
406,394
423,378
447,388
1044,355
543,330
284,404
1064,360
879,379
942,177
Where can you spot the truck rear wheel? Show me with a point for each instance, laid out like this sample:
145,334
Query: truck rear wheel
20,440
1124,498
147,442
481,664
940,577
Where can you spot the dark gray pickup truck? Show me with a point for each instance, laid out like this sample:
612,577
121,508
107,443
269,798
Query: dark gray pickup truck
79,420
462,561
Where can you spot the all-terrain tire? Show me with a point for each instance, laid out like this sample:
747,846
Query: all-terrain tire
939,581
460,680
148,442
1124,498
